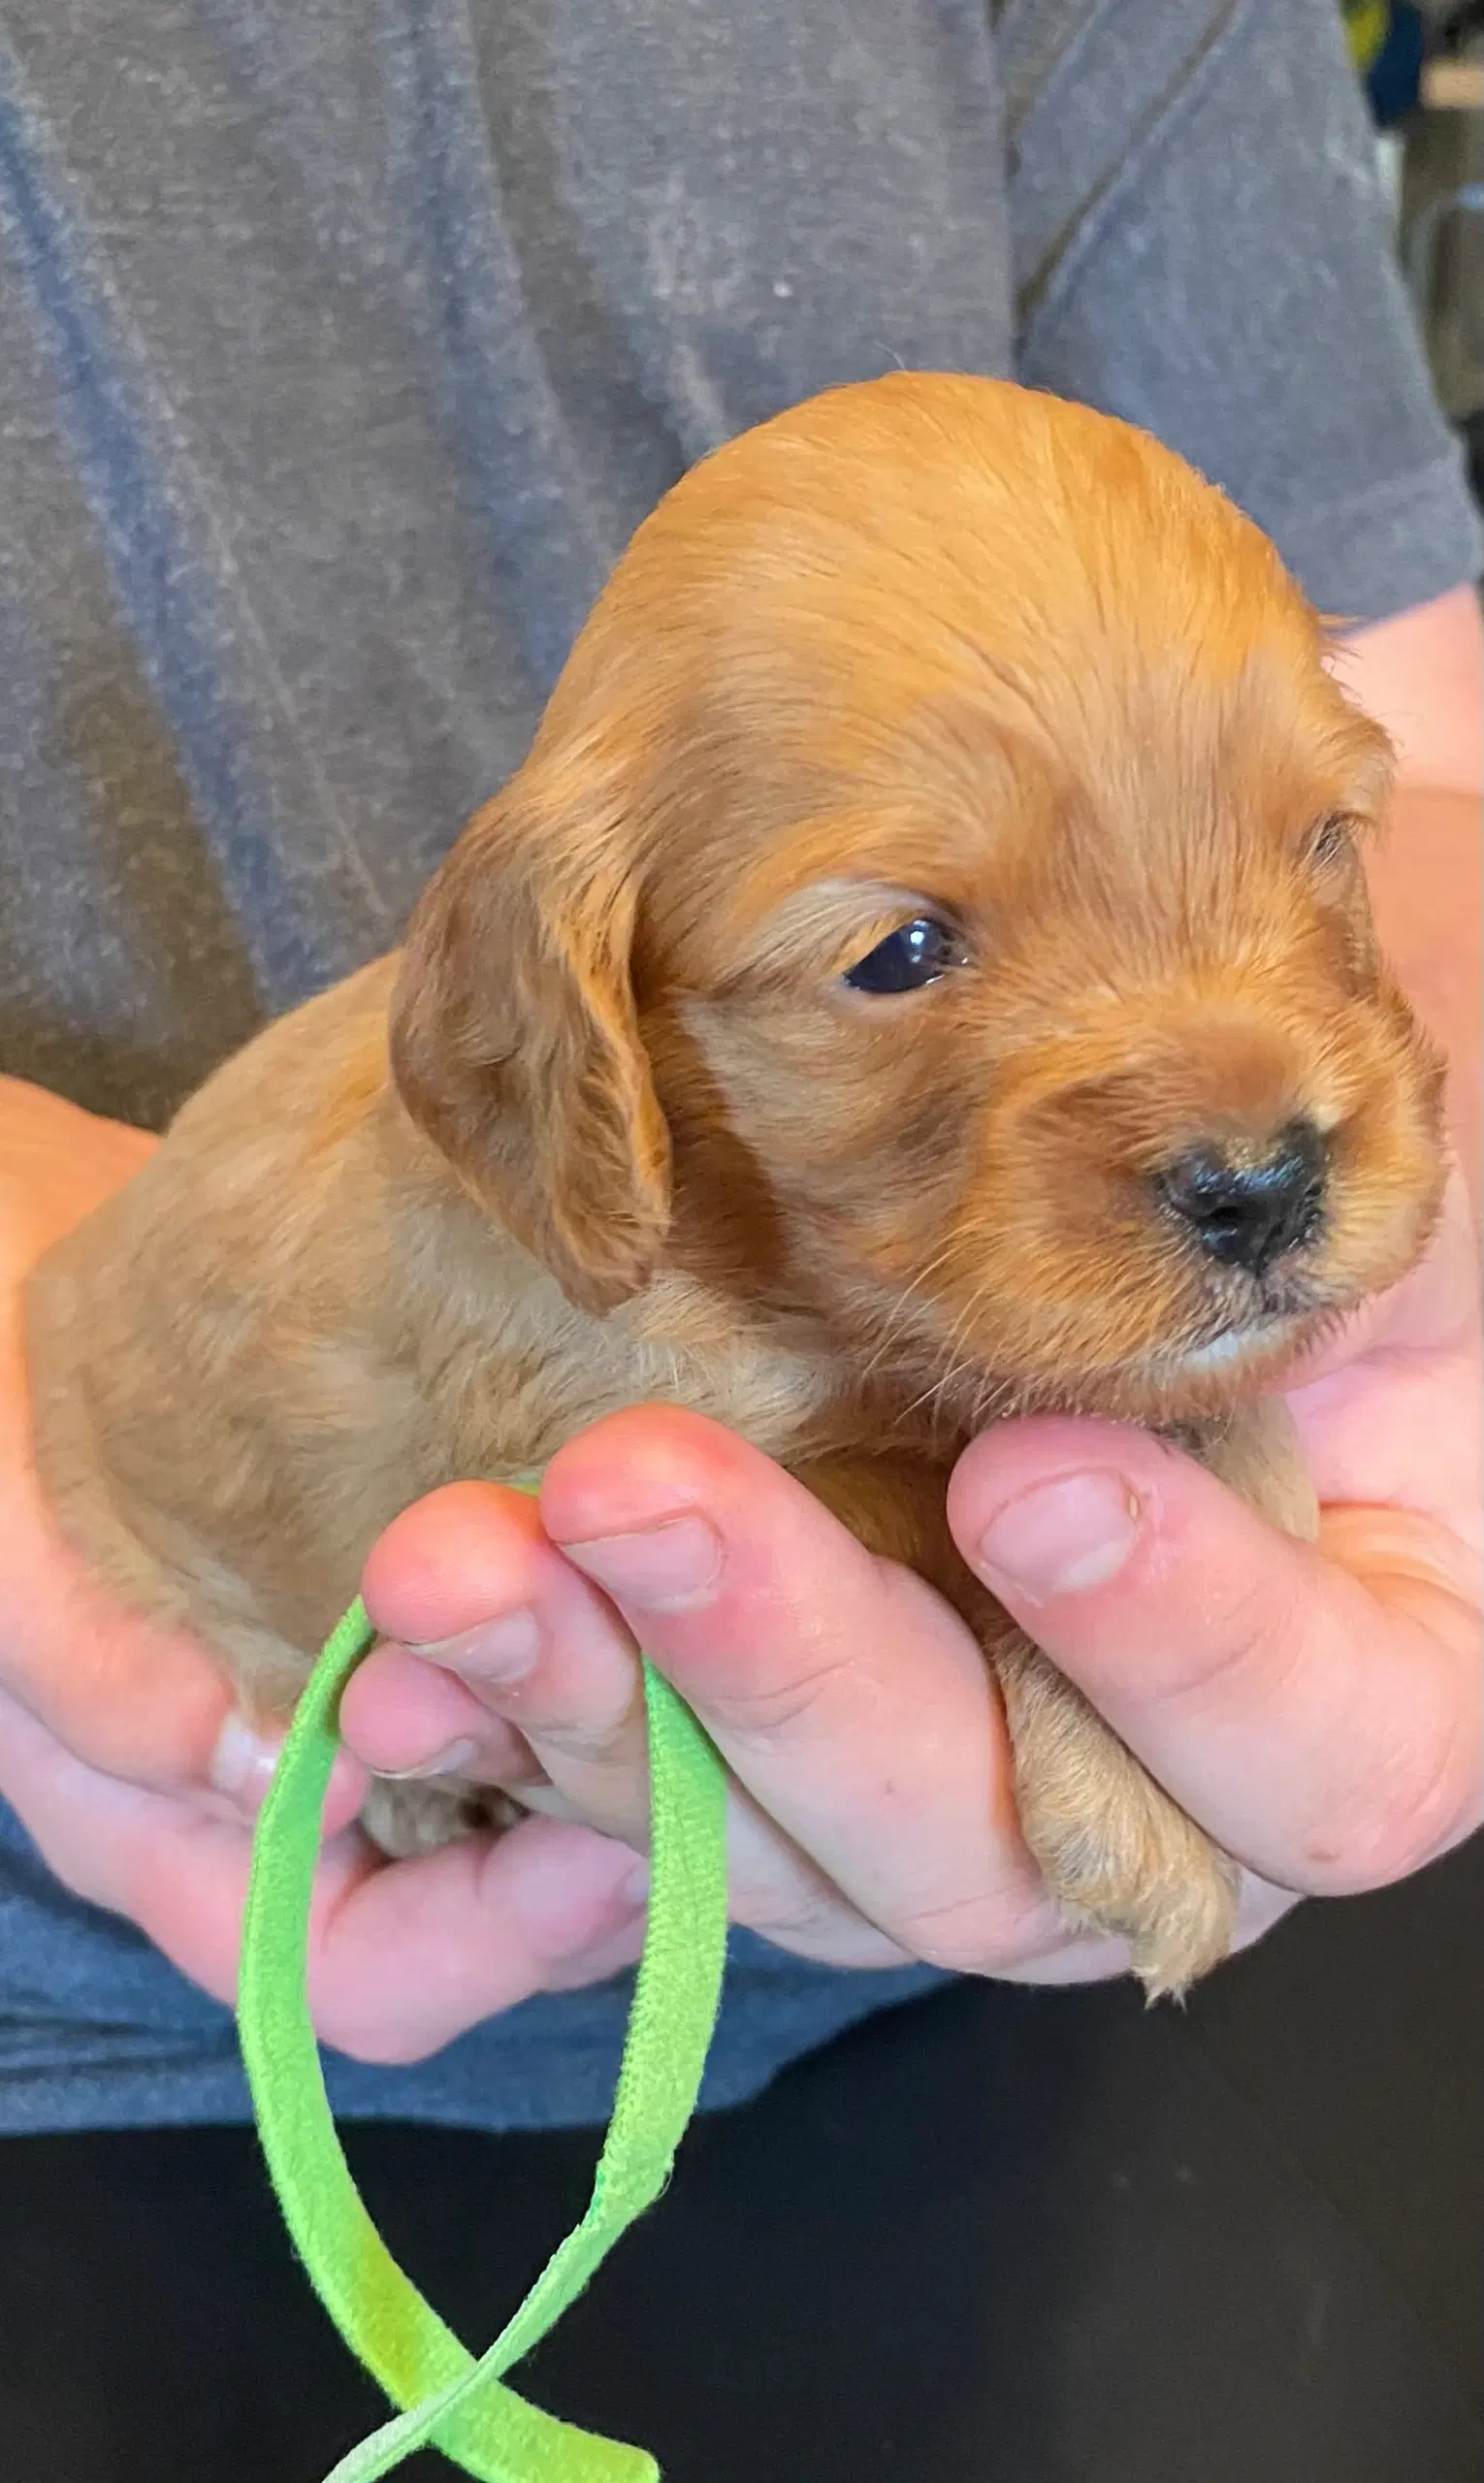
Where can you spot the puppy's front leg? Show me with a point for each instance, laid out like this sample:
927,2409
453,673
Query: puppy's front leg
1256,1454
1114,1848
1117,1850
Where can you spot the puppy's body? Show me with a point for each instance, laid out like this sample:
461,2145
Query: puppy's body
632,1121
323,1327
240,1383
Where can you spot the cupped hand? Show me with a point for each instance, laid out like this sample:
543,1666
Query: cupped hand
121,1755
1316,1708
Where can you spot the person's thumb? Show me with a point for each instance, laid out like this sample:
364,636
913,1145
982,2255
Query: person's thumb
1314,1708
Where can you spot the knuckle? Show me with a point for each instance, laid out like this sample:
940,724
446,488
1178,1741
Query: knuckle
770,1713
608,1741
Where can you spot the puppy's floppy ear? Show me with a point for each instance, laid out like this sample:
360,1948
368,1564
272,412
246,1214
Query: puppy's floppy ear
515,1043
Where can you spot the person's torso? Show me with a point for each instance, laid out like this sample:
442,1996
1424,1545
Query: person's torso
341,352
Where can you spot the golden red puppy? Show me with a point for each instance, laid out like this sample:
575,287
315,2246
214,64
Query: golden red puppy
923,971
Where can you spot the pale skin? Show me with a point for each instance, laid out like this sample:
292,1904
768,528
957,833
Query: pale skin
1316,1709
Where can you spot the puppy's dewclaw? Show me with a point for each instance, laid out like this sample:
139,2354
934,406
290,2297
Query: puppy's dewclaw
922,969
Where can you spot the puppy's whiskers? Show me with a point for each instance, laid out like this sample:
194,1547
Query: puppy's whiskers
896,1314
957,1366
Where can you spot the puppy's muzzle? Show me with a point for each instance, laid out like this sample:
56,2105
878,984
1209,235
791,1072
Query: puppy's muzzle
1247,1213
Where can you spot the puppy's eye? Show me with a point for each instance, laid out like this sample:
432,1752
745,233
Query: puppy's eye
921,953
1330,843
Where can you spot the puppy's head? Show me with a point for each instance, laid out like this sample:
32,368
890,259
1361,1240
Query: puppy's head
932,913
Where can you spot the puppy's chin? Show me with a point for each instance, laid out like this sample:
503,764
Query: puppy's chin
1162,1385
1179,1383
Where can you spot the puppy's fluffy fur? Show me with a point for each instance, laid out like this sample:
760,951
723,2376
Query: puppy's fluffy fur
614,1127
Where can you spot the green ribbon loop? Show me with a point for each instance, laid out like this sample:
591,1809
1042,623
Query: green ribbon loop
448,2397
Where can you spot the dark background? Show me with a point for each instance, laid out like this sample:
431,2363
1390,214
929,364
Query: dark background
997,2236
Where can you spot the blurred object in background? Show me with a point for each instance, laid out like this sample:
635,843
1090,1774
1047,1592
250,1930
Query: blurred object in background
1423,70
1388,44
1450,314
1460,30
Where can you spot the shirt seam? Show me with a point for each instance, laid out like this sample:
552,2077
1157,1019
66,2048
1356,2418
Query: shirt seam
1176,106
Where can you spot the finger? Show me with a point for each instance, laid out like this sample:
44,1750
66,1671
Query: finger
405,1956
402,1956
1388,1410
475,1559
1317,1709
403,1716
522,1659
852,1706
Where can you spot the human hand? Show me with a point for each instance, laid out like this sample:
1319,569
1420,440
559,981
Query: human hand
1316,1708
121,1753
1419,674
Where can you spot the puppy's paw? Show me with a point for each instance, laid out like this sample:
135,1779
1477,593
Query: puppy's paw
405,1817
1138,1869
1116,1851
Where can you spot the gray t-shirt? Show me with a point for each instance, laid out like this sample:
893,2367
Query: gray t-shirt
343,347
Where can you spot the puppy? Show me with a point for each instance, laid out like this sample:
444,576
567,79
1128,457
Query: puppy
920,972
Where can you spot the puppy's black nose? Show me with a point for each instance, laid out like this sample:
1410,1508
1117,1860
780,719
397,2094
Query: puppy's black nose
1247,1215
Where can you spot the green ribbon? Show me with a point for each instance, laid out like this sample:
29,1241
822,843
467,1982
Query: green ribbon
447,2396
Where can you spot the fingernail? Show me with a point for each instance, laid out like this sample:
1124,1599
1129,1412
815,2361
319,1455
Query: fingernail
243,1765
496,1651
450,1762
633,1889
662,1568
1063,1537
